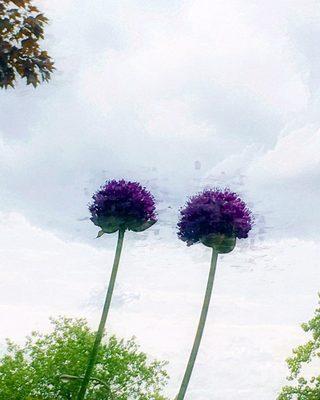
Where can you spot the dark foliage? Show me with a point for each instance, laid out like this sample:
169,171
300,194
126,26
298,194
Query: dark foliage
21,30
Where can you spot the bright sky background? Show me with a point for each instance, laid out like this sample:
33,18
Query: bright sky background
177,95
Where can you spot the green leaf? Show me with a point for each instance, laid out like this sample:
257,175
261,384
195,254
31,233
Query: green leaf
141,227
107,225
100,233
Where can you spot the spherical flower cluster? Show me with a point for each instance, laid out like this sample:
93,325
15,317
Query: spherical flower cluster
122,205
214,213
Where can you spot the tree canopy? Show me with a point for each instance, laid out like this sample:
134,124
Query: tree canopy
21,29
305,388
33,371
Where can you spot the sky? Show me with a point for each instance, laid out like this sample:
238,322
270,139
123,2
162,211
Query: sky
179,95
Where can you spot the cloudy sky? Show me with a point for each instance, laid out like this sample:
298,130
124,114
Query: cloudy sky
178,95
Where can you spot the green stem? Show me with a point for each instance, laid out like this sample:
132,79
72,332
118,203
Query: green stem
100,332
203,317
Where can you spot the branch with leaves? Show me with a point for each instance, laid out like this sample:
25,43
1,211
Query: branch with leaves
21,30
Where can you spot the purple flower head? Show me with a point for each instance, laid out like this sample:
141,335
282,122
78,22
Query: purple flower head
122,205
214,213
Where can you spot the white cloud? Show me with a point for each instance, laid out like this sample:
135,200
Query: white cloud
296,155
211,59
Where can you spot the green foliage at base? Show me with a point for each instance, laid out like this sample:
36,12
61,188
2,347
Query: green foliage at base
32,371
309,353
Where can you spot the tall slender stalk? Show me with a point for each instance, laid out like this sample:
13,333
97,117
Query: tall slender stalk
99,335
202,321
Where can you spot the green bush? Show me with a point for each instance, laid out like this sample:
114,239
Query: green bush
33,371
303,388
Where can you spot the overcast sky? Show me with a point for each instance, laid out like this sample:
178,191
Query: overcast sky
178,95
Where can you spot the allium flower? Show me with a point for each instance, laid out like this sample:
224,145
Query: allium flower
122,205
215,218
214,212
116,206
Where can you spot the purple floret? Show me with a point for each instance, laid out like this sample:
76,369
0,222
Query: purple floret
211,212
123,205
